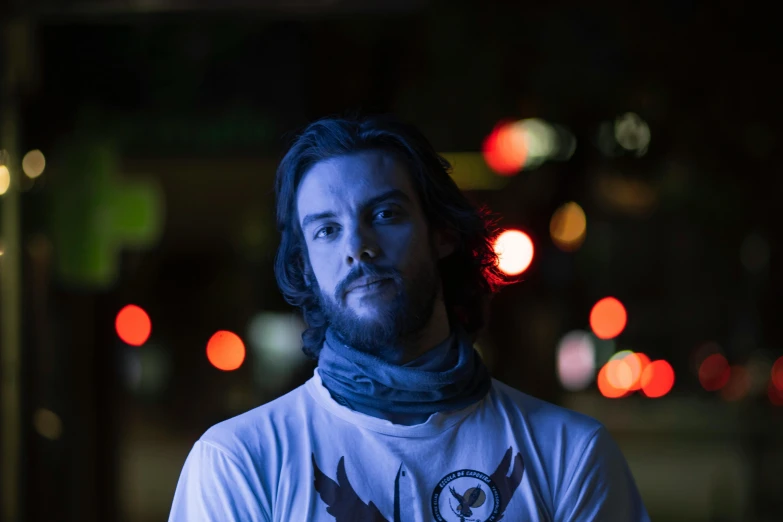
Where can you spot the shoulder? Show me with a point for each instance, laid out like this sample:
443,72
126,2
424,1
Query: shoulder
544,416
574,457
256,431
232,470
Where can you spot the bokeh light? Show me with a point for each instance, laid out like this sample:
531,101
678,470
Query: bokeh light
133,325
47,424
546,142
775,395
277,336
5,179
33,163
541,140
526,144
276,341
738,385
226,351
619,374
714,372
701,352
568,227
515,251
635,197
505,149
777,374
625,370
632,133
637,362
576,360
657,379
608,318
619,356
605,386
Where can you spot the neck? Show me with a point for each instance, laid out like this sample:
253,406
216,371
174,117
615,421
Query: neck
417,344
452,379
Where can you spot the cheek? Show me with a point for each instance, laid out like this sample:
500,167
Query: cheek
324,268
400,241
408,248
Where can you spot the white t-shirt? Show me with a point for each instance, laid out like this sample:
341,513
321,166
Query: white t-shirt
304,457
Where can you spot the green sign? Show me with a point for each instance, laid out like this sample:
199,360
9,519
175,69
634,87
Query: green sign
95,214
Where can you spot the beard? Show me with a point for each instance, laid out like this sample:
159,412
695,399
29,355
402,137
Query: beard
394,322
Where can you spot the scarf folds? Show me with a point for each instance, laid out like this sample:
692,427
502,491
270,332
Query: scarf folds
367,381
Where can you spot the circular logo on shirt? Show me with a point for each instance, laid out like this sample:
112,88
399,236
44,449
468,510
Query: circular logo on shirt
466,495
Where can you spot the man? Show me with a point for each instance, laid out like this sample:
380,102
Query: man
392,268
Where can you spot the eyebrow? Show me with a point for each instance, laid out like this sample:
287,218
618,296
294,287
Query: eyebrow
390,194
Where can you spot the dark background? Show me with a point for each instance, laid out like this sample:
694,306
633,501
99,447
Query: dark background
198,101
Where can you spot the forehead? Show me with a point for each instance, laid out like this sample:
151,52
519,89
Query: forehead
345,182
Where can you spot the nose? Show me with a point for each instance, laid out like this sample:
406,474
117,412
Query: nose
362,246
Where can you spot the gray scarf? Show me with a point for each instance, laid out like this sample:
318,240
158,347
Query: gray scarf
369,384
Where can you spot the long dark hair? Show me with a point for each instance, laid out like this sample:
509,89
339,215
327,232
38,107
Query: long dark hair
469,275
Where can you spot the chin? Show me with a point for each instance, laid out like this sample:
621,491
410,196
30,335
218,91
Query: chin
369,314
374,314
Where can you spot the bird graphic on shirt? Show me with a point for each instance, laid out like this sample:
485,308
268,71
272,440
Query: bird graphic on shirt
344,504
466,503
507,484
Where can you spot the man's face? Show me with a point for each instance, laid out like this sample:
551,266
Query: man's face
362,221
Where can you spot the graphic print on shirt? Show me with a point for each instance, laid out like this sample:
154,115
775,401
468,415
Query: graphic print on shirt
340,497
468,495
461,496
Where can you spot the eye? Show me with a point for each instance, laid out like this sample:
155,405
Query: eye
389,214
323,232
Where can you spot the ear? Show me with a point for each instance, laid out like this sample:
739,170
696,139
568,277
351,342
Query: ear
445,242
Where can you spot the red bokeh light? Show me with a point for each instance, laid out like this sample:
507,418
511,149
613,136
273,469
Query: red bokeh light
775,395
657,379
777,374
714,372
505,149
133,325
608,318
226,351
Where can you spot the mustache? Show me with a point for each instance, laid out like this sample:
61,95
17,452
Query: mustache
367,271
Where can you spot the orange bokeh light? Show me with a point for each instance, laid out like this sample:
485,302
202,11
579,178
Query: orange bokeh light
657,379
622,375
608,318
568,227
714,372
605,386
133,325
515,251
637,362
505,149
777,374
226,351
619,374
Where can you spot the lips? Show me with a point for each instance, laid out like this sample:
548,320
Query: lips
365,283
